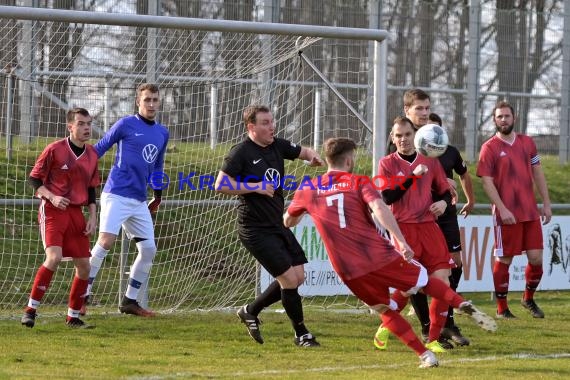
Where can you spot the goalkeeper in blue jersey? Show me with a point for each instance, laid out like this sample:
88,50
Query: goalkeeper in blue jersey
141,145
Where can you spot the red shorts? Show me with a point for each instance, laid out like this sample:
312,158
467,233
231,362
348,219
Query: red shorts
374,288
64,229
429,245
514,239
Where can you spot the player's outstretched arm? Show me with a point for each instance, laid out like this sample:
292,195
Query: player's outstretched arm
295,211
310,156
228,185
111,137
387,219
291,221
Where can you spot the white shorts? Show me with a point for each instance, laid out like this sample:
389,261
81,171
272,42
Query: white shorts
131,214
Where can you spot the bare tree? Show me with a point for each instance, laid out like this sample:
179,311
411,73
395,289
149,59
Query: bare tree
457,59
63,45
310,13
183,53
520,38
346,69
234,62
427,34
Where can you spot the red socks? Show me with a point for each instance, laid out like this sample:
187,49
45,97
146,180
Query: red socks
533,275
41,285
501,281
78,289
437,316
394,322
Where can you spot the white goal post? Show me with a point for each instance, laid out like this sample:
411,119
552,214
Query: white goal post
319,82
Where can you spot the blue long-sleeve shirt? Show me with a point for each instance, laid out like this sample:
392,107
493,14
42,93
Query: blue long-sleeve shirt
141,147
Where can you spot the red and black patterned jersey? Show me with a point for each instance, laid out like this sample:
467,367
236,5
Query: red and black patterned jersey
65,174
510,166
413,206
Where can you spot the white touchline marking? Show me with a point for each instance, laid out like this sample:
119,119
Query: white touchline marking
346,369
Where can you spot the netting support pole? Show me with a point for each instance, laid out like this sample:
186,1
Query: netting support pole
107,102
28,67
152,44
213,116
9,110
317,137
374,22
380,102
267,89
472,99
335,90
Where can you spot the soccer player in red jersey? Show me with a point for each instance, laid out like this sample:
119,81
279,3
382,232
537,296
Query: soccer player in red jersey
417,106
416,212
64,177
509,167
369,264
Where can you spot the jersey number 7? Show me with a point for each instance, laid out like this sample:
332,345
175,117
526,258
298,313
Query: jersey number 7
340,207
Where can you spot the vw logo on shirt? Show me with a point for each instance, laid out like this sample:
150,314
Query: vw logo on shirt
273,176
149,153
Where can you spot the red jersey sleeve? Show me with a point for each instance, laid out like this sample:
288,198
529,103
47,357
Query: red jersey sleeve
485,166
384,168
297,208
369,193
533,151
42,165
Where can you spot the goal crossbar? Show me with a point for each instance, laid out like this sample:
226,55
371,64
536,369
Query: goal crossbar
62,15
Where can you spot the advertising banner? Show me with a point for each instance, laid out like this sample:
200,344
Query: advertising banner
477,241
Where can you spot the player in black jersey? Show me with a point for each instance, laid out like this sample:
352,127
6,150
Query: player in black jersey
254,171
452,161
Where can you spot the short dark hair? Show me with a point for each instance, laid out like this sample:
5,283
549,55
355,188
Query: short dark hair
414,94
147,86
502,104
250,113
435,118
70,117
402,120
336,148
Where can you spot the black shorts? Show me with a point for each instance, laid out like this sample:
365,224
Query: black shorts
275,248
450,229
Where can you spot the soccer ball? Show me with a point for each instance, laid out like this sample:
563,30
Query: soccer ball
431,140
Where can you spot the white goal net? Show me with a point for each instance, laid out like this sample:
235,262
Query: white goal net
206,79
